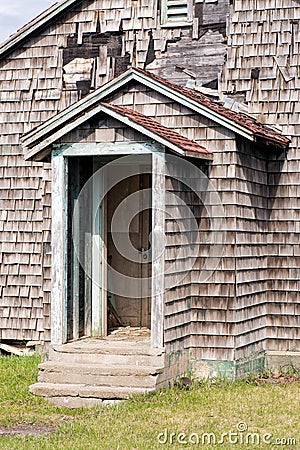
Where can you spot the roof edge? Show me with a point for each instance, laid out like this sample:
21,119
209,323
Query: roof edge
76,108
39,151
35,24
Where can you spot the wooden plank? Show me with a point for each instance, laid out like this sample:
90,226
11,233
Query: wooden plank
58,242
107,148
74,234
158,230
88,284
99,277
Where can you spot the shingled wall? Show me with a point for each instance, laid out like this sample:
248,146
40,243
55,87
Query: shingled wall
25,249
226,317
199,316
263,69
39,79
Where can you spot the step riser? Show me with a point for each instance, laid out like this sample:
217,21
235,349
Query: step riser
106,350
82,391
78,402
99,369
98,380
83,374
107,359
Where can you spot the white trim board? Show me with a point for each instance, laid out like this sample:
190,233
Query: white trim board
58,244
109,148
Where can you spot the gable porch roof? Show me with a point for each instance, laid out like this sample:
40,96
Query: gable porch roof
141,123
42,136
174,139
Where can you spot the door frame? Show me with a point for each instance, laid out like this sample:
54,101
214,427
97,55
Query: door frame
99,254
59,237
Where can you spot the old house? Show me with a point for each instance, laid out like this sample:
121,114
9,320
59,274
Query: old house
149,182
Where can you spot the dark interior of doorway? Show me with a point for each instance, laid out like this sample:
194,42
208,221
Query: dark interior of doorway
134,313
125,310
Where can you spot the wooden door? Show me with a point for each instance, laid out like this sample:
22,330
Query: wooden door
131,311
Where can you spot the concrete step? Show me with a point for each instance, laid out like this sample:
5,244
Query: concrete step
102,346
98,371
99,375
55,390
110,355
80,402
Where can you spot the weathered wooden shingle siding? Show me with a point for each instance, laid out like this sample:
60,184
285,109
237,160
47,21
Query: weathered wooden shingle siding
24,239
33,87
177,254
33,77
213,301
198,315
251,259
264,36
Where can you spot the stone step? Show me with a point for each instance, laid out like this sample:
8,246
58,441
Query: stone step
97,371
102,346
99,375
79,402
56,390
108,356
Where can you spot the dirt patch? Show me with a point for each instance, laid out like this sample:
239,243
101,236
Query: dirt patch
273,379
35,429
281,379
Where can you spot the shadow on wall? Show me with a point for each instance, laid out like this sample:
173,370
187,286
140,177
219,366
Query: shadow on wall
259,171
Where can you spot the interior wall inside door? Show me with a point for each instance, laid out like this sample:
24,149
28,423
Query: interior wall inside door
122,309
79,251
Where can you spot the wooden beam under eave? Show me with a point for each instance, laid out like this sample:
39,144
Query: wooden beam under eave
31,155
261,140
198,155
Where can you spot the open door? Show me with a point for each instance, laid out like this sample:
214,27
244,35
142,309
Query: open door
124,310
100,273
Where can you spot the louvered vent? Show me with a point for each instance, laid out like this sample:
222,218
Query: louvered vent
177,11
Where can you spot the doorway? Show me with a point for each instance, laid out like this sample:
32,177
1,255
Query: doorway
126,310
106,287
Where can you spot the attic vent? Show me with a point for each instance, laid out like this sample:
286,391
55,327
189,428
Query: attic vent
176,12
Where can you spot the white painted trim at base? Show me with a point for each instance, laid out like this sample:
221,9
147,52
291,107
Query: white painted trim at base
158,251
58,242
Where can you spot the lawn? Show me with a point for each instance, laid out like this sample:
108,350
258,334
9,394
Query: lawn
171,419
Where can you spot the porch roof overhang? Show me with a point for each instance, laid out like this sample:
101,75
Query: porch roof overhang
145,125
35,141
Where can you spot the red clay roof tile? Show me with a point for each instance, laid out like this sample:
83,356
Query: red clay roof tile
245,121
154,126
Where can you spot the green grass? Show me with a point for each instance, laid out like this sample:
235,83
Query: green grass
207,407
17,405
